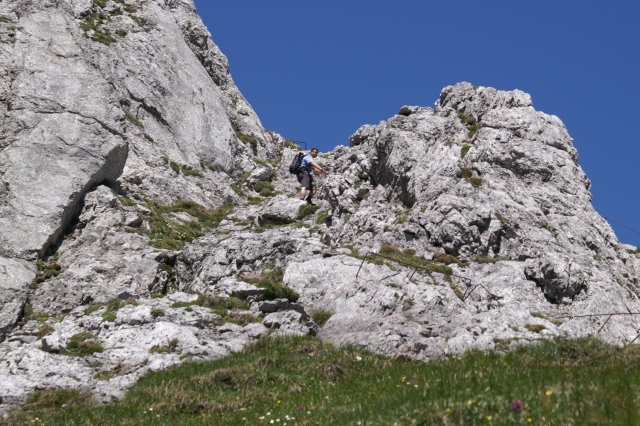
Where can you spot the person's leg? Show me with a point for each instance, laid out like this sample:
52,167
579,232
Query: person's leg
303,193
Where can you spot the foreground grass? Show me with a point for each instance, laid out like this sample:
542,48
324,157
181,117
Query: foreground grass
306,382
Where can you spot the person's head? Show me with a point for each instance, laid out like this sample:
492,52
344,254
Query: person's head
314,152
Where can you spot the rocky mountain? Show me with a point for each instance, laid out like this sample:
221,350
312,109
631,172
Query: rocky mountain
148,218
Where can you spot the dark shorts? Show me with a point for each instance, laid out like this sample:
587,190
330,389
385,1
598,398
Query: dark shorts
305,179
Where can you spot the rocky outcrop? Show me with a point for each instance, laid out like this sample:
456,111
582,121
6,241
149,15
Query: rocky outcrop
146,216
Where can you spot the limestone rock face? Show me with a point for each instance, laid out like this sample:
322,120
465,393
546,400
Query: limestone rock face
134,95
145,212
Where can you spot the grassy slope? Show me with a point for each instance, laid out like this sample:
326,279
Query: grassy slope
559,383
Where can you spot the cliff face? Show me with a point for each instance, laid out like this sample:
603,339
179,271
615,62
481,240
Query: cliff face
144,209
93,92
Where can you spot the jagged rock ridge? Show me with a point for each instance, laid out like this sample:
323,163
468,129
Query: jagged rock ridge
116,110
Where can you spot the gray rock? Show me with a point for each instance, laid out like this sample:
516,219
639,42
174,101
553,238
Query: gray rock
283,209
274,305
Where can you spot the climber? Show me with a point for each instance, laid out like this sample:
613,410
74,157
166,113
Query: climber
305,178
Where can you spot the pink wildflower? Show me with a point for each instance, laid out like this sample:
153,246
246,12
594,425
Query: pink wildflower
301,408
516,406
415,377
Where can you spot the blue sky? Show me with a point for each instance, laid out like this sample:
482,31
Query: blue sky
317,70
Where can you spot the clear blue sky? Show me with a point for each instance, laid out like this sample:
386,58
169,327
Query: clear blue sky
316,70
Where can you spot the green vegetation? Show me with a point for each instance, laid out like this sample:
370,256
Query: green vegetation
237,189
486,259
207,166
264,188
157,312
291,144
276,289
447,259
149,138
173,235
131,119
307,210
536,328
322,217
346,217
597,257
195,173
260,162
358,184
48,269
82,344
113,306
501,218
252,141
408,256
467,174
175,167
122,33
465,149
470,122
544,317
44,330
546,226
93,23
304,381
320,317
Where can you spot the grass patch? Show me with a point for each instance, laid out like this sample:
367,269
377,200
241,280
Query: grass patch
291,144
409,257
206,166
82,344
307,210
470,122
157,312
447,259
272,282
149,138
536,328
48,269
322,217
320,317
264,188
131,119
465,149
167,234
558,383
195,173
487,259
237,189
250,140
44,330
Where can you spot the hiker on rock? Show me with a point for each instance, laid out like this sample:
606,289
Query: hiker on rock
307,166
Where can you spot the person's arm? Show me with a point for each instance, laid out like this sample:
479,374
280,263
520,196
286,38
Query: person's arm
317,168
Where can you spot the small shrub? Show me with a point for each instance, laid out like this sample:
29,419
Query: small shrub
276,289
264,188
307,210
320,317
466,173
44,330
536,328
81,344
175,166
157,312
470,122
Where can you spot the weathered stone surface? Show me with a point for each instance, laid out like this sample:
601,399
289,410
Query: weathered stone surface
96,135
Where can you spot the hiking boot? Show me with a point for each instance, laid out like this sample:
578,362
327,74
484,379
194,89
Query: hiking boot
311,203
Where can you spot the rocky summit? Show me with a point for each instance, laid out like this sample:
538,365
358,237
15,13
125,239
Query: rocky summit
147,217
